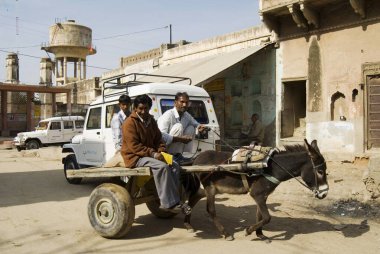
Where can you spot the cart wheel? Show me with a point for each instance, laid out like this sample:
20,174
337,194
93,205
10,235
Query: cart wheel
111,210
71,163
154,205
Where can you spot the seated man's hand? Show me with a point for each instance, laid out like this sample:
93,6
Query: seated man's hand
159,156
201,128
182,139
186,139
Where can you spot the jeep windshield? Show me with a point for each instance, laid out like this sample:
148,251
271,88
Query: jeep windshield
196,109
42,126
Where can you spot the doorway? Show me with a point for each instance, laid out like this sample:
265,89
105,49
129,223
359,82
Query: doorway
293,115
373,111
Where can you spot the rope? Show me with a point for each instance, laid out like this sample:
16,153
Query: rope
281,167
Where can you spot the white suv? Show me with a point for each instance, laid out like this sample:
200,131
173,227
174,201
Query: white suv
54,130
95,146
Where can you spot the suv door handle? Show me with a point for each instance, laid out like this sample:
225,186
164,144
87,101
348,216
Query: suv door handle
98,133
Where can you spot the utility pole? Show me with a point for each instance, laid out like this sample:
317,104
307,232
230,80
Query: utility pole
170,29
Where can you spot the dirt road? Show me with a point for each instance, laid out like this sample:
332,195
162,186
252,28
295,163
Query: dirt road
41,213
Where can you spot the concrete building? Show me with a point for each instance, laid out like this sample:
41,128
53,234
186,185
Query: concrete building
328,72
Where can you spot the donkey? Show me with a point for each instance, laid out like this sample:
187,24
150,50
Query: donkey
305,161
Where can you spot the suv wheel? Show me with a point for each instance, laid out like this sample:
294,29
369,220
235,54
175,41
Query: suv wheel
32,144
70,164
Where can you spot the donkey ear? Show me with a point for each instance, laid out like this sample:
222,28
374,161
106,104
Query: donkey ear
315,146
310,148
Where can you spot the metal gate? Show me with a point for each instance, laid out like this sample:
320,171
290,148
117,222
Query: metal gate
373,109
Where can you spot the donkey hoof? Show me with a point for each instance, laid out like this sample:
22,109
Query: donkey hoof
264,238
189,228
247,233
229,238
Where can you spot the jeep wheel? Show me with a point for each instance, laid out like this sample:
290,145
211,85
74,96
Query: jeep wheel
70,164
111,210
32,144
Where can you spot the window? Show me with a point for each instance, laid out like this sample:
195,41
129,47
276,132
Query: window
166,104
93,121
68,124
55,126
42,126
110,111
196,108
79,124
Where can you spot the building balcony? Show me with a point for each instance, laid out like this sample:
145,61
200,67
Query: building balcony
308,14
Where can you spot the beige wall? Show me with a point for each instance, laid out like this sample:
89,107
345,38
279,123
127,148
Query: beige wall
343,52
250,37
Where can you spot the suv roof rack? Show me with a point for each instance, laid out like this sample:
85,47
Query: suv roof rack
124,81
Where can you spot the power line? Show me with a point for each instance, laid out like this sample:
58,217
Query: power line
97,67
91,66
137,32
20,54
30,46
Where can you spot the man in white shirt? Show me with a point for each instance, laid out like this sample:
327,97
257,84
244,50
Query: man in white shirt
116,123
178,128
118,119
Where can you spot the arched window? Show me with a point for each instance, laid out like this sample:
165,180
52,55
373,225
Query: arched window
338,106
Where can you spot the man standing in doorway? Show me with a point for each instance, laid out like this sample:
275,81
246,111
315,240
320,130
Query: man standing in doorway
178,128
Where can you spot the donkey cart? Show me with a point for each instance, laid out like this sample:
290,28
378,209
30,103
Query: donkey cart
111,207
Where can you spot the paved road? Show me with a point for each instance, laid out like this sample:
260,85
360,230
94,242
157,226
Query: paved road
41,213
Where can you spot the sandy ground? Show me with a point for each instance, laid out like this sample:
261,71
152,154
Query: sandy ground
41,213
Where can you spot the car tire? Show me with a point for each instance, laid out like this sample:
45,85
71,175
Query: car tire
111,210
70,164
32,144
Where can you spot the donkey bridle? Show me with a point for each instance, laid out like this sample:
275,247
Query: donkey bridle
315,189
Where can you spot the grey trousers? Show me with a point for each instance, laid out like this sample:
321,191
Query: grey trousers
178,147
166,178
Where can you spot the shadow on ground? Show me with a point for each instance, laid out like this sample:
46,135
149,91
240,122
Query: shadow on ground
147,226
20,188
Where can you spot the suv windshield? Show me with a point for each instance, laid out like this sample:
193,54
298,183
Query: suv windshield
196,108
42,126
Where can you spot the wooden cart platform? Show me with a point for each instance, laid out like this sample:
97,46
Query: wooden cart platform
145,171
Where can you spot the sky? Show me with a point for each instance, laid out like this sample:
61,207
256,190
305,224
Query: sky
119,27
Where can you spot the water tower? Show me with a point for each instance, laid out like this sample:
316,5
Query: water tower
71,43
